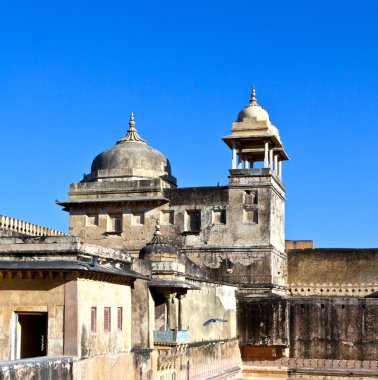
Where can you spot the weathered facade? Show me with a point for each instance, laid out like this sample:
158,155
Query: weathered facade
156,281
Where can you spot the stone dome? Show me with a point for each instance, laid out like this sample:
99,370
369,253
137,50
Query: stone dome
132,157
253,110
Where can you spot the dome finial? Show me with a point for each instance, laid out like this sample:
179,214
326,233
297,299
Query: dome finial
253,100
158,238
132,134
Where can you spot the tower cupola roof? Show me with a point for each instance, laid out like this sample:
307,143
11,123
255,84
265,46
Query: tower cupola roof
253,110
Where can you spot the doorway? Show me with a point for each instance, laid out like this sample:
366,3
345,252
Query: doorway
31,335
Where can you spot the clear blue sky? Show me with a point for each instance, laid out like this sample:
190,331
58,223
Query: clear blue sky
72,71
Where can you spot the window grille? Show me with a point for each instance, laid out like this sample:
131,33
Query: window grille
107,319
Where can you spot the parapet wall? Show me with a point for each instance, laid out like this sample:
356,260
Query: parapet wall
213,359
333,272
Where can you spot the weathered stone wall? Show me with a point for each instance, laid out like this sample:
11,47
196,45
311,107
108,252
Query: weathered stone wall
263,322
234,228
334,328
136,231
246,267
62,368
326,328
333,272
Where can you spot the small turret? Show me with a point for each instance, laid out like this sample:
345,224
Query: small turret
254,138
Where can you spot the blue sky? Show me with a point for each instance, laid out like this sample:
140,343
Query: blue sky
71,72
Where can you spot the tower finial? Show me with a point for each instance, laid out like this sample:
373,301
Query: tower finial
253,100
158,238
132,134
132,122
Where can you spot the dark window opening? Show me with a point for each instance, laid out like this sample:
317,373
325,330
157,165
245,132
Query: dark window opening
250,197
194,221
115,224
32,335
251,216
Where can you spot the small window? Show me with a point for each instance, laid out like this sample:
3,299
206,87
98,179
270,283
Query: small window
219,216
119,318
193,220
107,320
115,223
93,319
92,220
250,197
138,218
251,216
167,217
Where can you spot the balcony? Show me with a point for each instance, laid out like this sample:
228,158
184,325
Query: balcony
171,336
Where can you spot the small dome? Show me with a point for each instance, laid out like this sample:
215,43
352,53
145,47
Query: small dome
253,110
132,157
158,246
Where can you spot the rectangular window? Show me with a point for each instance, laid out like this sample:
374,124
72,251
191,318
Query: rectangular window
92,220
119,318
107,320
138,218
250,197
193,222
219,216
93,319
167,217
115,223
250,216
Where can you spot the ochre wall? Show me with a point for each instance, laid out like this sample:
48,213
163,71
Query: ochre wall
34,295
100,294
210,302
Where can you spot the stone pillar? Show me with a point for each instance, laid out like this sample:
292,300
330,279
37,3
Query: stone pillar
266,164
171,315
240,164
233,157
246,163
275,164
280,169
180,297
271,158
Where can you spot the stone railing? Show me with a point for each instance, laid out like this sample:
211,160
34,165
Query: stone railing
216,369
328,364
25,228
